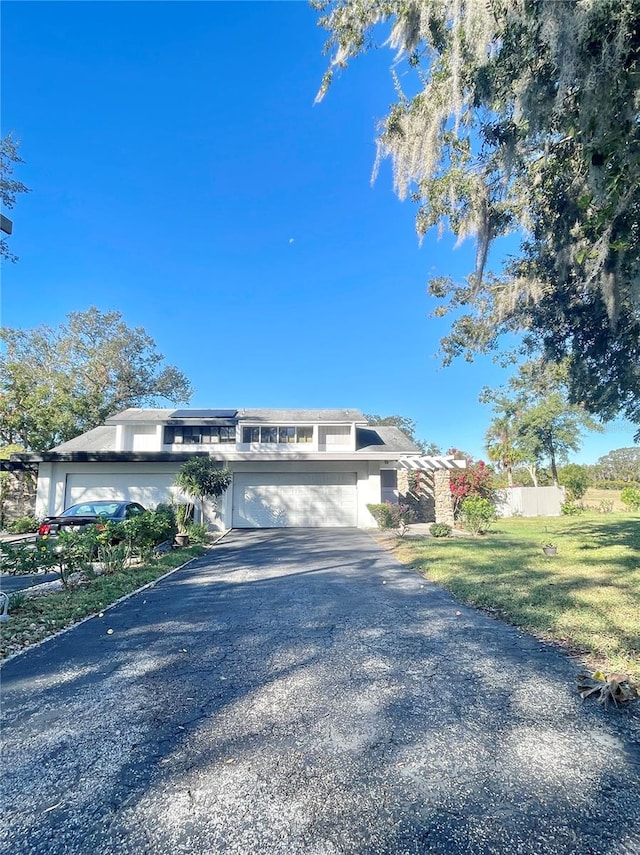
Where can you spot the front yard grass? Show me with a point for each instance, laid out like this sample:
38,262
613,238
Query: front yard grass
41,616
587,597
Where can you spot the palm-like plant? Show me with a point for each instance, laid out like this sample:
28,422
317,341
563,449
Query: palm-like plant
500,442
202,478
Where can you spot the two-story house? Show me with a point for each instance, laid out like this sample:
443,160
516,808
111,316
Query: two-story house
290,467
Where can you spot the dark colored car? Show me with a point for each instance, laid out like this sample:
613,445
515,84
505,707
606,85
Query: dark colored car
89,513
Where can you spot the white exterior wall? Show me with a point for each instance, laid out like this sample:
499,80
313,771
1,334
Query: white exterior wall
53,480
135,481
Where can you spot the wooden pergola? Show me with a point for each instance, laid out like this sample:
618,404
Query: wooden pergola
430,463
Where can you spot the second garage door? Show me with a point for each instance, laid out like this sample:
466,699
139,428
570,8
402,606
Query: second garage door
283,500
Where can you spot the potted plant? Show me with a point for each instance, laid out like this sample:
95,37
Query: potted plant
549,549
184,517
200,478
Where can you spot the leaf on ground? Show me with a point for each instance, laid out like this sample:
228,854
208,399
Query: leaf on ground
614,687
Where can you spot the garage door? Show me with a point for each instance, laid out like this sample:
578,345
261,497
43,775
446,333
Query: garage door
149,489
283,500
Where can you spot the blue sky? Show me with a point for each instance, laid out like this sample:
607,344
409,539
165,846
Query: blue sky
180,173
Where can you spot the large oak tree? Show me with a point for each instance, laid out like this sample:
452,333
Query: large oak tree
521,116
56,382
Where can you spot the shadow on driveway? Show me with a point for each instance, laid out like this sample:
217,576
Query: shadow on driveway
299,691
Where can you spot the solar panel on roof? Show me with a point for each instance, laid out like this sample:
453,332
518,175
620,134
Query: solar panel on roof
203,414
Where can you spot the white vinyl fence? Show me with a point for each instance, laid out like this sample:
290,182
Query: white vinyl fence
530,501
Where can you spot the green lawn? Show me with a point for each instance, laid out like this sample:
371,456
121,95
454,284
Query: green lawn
587,597
42,616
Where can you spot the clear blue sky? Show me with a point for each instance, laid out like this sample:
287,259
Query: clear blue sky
180,173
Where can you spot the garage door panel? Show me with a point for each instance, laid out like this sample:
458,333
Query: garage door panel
148,490
280,500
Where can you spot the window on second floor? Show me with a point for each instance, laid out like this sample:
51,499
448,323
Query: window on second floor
199,434
283,434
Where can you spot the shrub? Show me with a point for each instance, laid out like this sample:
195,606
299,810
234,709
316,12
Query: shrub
113,557
476,480
575,478
440,530
630,497
390,515
571,509
71,552
23,525
615,485
184,517
197,533
74,551
144,532
19,559
477,514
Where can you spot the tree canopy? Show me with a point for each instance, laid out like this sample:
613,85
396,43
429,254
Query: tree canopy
57,382
620,464
522,117
202,478
407,426
534,422
9,187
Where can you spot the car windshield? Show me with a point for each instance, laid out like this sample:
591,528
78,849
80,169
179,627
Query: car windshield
92,509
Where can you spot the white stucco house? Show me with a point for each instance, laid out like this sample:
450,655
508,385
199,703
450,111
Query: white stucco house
290,467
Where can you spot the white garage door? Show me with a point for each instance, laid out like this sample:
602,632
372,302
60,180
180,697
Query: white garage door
149,489
283,500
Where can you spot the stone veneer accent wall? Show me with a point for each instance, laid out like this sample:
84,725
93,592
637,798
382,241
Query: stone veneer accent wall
17,496
442,497
428,493
416,490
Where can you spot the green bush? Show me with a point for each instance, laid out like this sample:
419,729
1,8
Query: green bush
390,515
184,517
630,497
144,532
440,530
615,485
477,514
575,478
198,533
19,559
571,509
113,557
23,525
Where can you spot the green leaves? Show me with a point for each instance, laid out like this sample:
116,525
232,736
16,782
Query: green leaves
201,478
524,122
56,382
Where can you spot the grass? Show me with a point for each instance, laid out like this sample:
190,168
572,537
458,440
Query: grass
587,597
594,496
38,617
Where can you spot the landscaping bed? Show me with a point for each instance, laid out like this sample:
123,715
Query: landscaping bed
34,618
586,597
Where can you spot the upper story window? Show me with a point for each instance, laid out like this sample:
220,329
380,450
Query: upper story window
198,435
283,434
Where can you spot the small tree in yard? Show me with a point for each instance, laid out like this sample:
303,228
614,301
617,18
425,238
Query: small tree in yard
475,480
575,478
201,478
477,514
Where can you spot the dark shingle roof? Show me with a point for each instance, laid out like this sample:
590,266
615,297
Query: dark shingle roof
102,438
385,438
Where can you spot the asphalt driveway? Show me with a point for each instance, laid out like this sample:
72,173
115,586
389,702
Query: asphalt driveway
301,692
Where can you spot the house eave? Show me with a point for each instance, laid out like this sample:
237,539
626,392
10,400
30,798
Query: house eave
107,457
